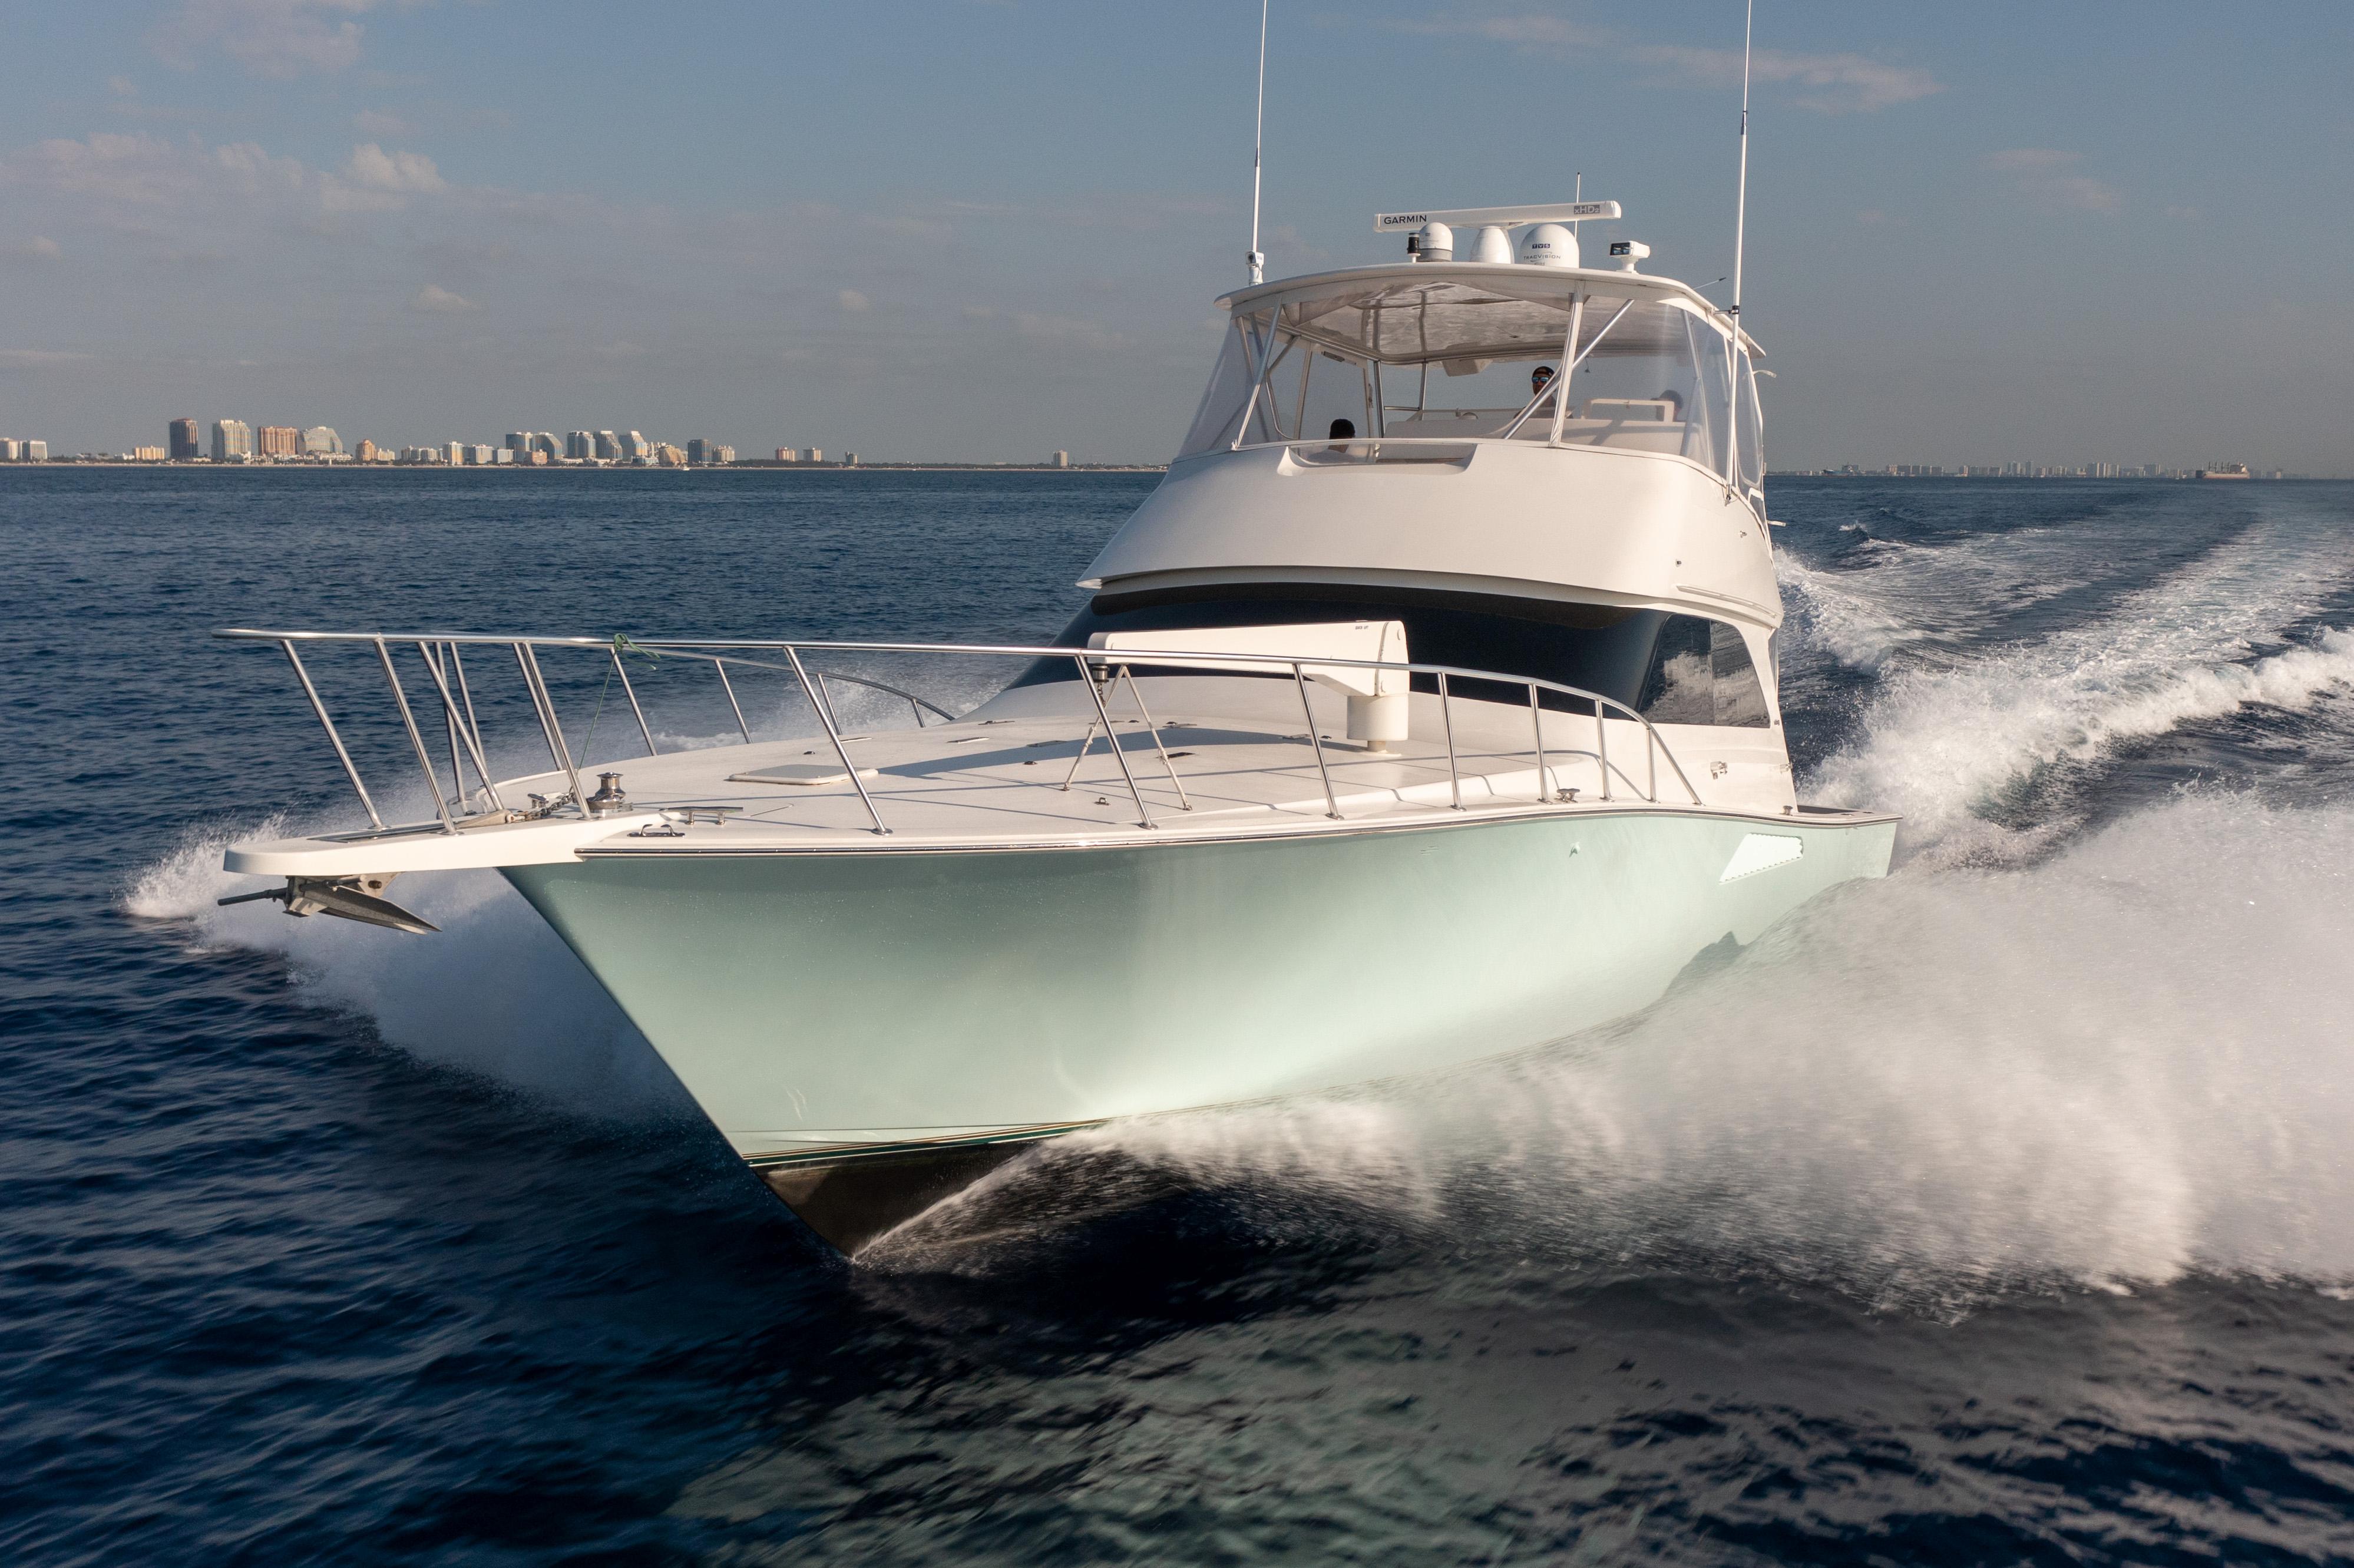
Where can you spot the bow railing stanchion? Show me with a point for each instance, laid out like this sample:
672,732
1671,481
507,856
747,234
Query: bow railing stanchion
1154,731
1111,737
1332,806
825,718
729,687
631,692
474,725
544,702
1080,756
1536,723
416,739
333,739
1652,763
449,727
1447,720
457,728
1602,747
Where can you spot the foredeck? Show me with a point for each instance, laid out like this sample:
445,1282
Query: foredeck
1198,757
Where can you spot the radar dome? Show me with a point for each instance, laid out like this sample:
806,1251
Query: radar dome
1549,245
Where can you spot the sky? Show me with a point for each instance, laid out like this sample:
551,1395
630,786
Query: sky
1988,233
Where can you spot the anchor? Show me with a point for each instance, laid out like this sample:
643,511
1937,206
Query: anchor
345,897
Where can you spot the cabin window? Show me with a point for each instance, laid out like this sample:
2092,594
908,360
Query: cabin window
1700,673
1400,361
1673,668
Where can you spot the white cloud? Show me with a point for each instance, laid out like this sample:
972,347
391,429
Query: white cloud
2031,158
2043,172
40,248
1839,83
435,299
373,167
277,38
1843,83
851,300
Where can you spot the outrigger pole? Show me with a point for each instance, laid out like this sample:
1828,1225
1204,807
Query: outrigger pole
1740,223
1259,147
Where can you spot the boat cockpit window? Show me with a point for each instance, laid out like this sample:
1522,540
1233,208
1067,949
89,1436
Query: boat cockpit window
1452,359
1700,673
1673,669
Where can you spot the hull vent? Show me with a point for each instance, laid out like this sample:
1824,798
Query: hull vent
1762,851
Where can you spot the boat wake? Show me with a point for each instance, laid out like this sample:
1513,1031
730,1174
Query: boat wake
2117,1067
1954,740
493,992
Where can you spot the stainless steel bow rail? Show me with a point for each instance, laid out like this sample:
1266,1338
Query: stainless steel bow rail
1099,670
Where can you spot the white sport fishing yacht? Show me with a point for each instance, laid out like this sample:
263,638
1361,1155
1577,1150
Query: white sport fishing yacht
1427,711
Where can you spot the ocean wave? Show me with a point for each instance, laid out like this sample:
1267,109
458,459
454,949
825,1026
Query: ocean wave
494,991
1942,739
2120,1065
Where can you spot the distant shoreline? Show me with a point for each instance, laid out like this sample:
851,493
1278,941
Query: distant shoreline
753,467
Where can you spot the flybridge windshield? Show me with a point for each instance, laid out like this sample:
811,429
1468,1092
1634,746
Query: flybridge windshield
1404,358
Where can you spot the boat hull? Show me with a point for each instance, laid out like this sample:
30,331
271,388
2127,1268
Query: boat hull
821,1007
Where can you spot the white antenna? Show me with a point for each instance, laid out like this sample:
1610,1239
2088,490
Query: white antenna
1576,195
1740,217
1741,194
1259,147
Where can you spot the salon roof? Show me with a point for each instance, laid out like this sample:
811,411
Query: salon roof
1416,312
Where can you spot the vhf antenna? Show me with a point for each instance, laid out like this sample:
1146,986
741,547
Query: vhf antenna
1741,191
1259,147
1740,217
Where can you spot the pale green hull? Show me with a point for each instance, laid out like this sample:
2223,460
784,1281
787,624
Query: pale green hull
814,1001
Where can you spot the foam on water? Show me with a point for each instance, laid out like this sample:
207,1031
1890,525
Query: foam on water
495,991
2117,1066
1942,739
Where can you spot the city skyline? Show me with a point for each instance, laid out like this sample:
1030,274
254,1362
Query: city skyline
2118,239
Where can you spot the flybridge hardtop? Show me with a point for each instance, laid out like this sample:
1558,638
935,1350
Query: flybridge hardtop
1450,626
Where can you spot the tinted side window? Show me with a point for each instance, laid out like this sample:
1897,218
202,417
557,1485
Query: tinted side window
1740,697
1700,673
1680,687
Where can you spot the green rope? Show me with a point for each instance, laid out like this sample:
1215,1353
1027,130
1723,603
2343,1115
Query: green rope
623,648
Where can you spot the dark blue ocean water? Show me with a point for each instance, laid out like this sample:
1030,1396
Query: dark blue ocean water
2000,1211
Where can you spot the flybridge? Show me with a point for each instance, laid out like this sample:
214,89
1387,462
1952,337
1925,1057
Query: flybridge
1501,217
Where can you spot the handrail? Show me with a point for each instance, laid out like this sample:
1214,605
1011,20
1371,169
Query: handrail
721,652
918,704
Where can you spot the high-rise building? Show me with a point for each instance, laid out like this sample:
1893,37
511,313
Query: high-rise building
138,454
279,441
11,450
36,451
183,440
518,442
635,446
669,456
232,440
850,460
609,446
453,452
367,451
787,454
321,440
814,454
479,456
702,450
580,446
1060,460
722,454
